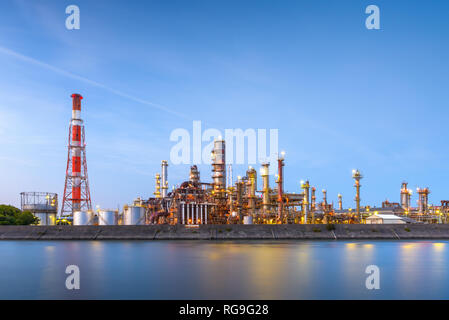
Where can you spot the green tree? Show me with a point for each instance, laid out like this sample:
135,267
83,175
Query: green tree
26,218
10,215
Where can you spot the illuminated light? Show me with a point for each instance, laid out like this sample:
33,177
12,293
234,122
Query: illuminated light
368,246
439,246
351,245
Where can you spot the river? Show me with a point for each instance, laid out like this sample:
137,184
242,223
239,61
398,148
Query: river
224,270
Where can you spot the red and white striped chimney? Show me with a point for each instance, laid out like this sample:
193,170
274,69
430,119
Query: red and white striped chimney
76,189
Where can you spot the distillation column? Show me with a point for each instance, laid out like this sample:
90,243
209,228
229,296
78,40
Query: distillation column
313,198
305,204
164,178
264,172
252,186
324,199
405,197
356,175
219,165
340,202
194,175
423,200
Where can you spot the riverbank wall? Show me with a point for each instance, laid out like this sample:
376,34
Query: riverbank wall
227,232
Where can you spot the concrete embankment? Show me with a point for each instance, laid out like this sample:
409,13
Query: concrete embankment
225,232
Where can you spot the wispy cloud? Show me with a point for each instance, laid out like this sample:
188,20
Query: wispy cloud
71,75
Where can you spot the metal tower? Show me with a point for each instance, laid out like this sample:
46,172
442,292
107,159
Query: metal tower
356,175
340,202
76,188
305,204
280,182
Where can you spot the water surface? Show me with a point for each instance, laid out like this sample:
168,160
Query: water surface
224,270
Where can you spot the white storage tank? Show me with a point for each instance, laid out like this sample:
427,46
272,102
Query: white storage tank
46,219
247,220
83,218
107,217
134,215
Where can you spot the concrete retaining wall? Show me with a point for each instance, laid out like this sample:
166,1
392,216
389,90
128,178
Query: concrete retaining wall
225,232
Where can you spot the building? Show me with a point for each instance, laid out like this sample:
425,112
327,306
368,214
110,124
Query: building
385,219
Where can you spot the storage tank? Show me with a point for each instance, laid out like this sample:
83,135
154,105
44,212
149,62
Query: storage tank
134,215
247,220
46,219
107,217
83,218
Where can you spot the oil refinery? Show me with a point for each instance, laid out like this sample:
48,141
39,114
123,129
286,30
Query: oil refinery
222,201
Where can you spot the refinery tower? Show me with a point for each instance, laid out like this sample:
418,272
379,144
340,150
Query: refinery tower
76,188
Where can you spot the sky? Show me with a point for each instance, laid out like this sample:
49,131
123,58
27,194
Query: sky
341,96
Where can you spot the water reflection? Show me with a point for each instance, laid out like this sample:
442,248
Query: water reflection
224,270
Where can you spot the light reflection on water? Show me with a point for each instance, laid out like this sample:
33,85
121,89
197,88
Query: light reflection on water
224,270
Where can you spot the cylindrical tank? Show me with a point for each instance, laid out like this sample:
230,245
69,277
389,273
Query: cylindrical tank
219,164
134,215
164,177
247,220
107,217
83,218
46,219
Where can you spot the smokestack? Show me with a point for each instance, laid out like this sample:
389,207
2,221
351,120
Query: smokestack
340,202
164,182
76,188
265,186
281,187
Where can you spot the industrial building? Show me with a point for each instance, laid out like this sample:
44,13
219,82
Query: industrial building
384,219
43,205
223,200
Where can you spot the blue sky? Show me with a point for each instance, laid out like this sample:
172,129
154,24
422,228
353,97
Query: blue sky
342,96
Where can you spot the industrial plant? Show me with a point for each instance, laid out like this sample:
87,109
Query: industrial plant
222,201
